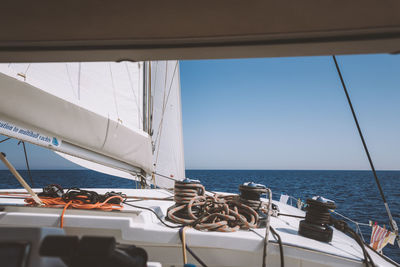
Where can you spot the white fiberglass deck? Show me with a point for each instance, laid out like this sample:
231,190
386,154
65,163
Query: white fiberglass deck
142,228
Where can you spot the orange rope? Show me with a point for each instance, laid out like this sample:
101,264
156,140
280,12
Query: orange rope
77,204
62,214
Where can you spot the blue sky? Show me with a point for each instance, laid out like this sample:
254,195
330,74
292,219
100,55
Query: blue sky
290,113
279,113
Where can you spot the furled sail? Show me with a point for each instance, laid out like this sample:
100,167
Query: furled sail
166,122
93,111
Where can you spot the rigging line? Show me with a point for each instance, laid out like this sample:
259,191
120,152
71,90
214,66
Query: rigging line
163,105
290,215
133,92
267,228
27,68
113,87
278,238
392,223
347,218
162,109
357,224
26,71
8,138
163,112
164,176
27,163
70,80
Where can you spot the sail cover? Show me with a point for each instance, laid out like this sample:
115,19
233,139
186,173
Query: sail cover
166,122
79,108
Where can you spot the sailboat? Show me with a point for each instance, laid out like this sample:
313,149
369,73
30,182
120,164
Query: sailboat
124,119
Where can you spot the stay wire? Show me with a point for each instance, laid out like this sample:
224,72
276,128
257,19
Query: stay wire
392,223
8,138
164,176
290,215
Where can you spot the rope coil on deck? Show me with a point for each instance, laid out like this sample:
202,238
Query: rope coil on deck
210,213
78,199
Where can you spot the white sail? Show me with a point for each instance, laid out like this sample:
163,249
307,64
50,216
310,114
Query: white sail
97,167
166,123
85,107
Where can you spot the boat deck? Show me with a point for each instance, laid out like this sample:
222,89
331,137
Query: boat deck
141,227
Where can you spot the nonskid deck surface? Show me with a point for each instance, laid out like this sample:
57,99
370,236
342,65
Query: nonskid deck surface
139,226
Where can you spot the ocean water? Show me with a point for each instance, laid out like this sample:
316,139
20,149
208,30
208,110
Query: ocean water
355,192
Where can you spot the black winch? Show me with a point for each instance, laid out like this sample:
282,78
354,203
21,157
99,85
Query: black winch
316,225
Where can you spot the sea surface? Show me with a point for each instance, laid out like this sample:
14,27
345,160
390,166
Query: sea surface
355,192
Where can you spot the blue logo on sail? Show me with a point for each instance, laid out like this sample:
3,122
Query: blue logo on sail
55,142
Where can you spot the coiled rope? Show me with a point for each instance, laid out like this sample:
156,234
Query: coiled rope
250,195
79,199
223,213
